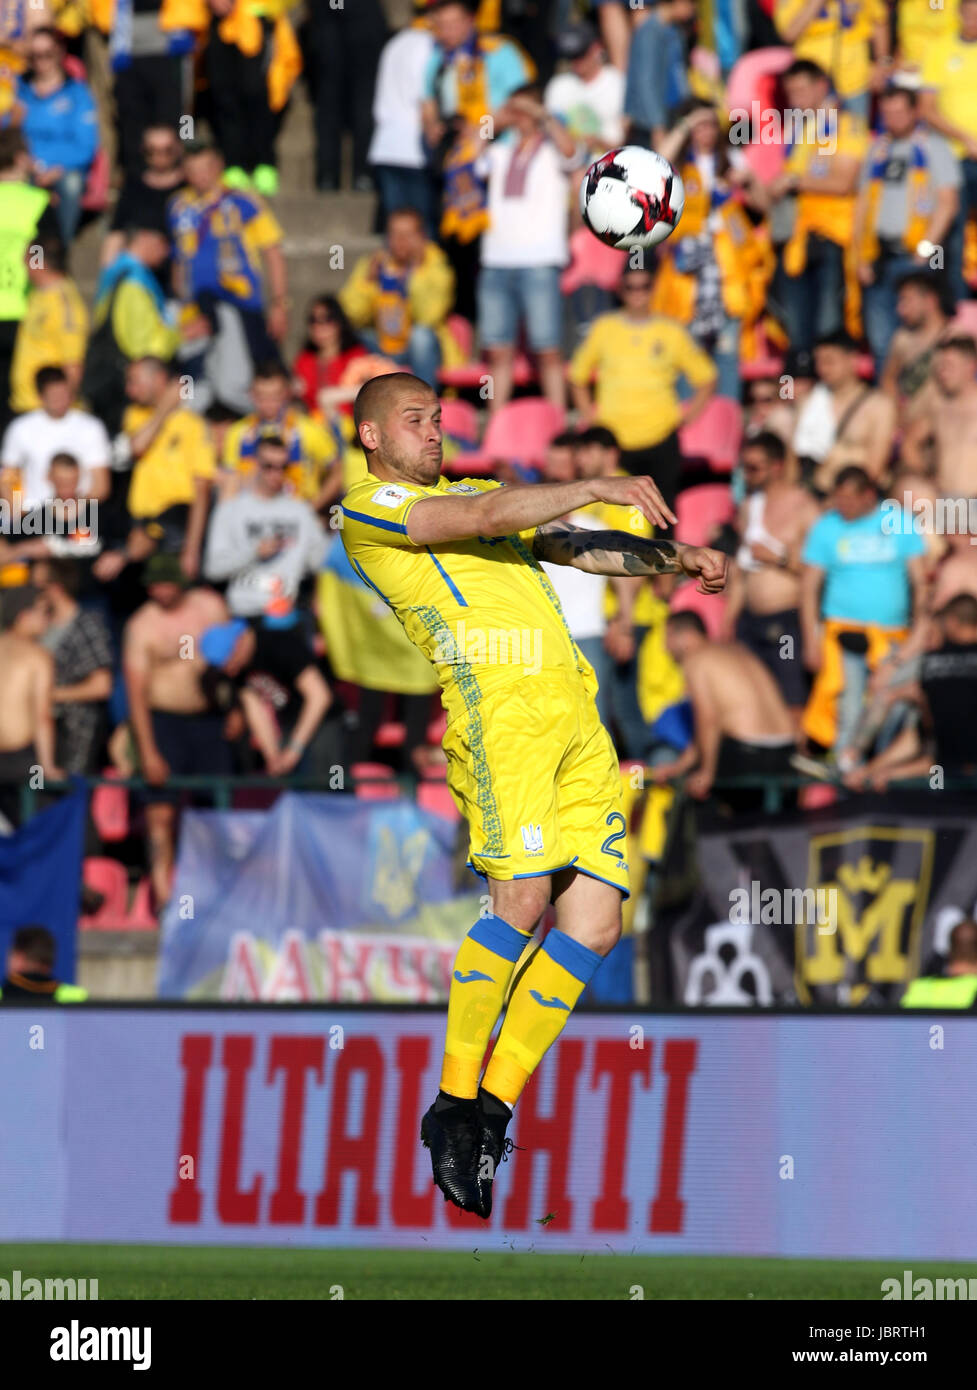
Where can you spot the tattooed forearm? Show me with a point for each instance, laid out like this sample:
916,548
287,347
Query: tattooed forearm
605,552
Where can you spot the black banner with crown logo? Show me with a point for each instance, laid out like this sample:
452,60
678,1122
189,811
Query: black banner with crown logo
843,906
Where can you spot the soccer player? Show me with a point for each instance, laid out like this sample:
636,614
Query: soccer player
530,765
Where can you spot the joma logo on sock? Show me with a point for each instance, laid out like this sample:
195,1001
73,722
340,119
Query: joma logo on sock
555,1003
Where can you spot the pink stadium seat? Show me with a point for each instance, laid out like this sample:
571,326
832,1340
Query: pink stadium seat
96,195
818,794
434,796
966,319
460,420
390,734
700,510
374,782
591,263
708,606
437,726
754,79
761,368
473,374
108,877
463,333
110,810
141,916
715,435
520,431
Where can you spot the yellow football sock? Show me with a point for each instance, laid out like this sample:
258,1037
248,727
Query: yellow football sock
483,969
541,1003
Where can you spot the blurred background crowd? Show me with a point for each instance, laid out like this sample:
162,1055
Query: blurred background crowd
219,217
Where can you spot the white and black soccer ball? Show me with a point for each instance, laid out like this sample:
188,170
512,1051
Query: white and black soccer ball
632,197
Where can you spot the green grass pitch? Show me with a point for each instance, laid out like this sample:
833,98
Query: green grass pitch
245,1272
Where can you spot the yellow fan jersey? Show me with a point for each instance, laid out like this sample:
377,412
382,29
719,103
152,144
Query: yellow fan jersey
482,611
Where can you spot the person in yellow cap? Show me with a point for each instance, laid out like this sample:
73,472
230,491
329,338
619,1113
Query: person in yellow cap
29,977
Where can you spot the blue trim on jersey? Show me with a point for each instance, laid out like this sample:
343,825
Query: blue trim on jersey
575,958
366,580
455,592
500,937
375,521
626,892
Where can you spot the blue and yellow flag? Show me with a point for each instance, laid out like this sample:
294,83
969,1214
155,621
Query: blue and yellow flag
366,643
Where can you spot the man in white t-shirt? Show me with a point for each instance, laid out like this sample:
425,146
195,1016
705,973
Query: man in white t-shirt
32,440
525,246
589,98
397,155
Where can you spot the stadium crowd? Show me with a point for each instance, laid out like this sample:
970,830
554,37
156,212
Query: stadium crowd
795,367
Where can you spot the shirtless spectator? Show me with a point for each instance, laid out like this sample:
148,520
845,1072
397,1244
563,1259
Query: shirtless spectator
26,686
947,698
763,594
79,642
858,421
767,411
957,572
947,421
174,732
916,493
908,372
742,726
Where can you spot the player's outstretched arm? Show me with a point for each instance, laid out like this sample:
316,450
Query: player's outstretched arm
506,510
618,553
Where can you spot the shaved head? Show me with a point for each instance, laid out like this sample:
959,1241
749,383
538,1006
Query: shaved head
398,424
377,396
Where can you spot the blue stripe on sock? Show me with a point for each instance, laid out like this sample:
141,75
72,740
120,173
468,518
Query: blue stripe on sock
578,960
498,936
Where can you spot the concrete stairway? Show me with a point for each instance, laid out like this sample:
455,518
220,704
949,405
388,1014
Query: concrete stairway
324,233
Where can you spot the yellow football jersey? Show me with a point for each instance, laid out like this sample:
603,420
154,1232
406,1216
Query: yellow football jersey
482,611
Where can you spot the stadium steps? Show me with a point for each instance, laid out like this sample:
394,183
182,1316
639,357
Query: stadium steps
314,223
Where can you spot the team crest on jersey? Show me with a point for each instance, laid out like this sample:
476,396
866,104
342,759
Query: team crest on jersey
532,838
392,496
461,487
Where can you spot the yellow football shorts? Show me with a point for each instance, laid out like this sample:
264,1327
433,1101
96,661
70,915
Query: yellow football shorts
535,774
